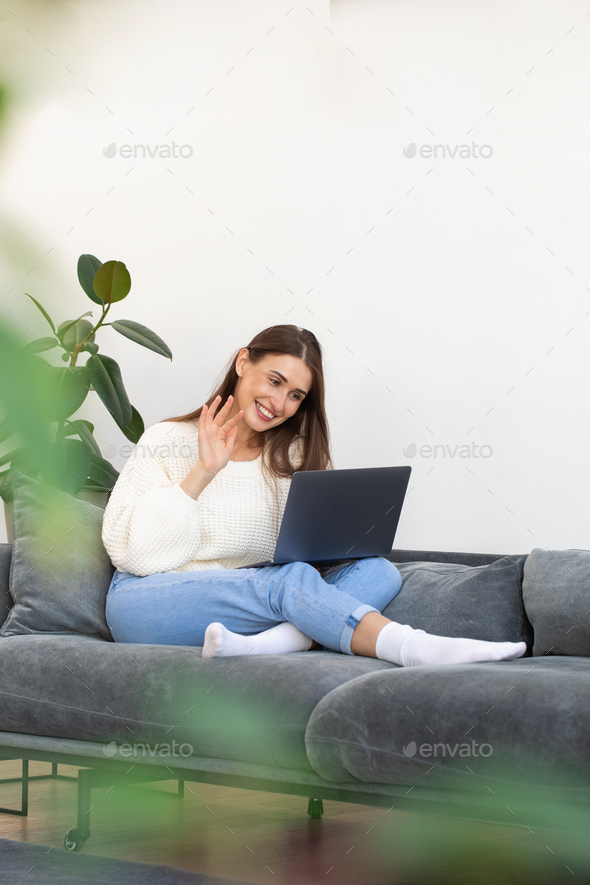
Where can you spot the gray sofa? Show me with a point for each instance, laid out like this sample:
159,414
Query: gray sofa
505,742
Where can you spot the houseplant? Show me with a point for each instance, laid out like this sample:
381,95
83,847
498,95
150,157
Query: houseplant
73,460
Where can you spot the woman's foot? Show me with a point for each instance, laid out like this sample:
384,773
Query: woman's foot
283,639
401,644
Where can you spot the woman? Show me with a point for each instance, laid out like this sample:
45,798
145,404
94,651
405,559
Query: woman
205,492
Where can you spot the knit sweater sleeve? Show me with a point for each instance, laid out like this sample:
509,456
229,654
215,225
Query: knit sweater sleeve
150,524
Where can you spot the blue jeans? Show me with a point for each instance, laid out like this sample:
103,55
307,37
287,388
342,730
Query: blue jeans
175,608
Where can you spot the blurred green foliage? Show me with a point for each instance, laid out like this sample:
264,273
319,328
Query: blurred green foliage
543,822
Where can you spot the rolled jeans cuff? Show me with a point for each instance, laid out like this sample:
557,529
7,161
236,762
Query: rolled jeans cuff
350,625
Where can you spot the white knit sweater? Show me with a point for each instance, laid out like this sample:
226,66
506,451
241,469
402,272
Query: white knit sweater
151,525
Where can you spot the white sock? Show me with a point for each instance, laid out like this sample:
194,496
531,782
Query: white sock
400,644
390,641
280,640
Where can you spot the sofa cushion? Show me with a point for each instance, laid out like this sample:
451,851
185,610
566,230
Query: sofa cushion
60,572
5,597
556,591
246,708
449,599
522,722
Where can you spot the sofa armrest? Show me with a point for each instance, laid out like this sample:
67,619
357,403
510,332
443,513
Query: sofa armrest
5,597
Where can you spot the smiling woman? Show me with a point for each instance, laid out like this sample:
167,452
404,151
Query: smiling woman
181,529
277,381
265,394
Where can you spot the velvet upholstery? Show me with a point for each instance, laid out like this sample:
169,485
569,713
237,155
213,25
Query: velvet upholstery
556,592
533,713
60,572
247,708
450,599
325,715
5,597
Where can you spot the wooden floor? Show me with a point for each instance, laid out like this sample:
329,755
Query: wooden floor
268,838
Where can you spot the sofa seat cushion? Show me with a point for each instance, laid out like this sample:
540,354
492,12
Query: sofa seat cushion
522,722
246,708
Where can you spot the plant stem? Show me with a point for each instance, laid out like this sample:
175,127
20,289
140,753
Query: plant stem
79,346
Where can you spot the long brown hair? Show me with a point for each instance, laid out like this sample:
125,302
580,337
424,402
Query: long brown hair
309,423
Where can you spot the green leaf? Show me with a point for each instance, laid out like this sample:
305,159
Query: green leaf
23,457
84,430
70,429
135,428
65,357
40,344
71,465
6,486
87,267
142,335
65,391
67,324
112,282
43,311
77,333
105,376
102,472
91,348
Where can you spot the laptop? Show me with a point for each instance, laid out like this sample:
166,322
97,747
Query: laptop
337,516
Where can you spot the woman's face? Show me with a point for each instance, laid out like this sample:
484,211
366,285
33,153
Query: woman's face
271,390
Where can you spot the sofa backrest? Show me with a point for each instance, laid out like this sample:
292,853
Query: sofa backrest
5,597
473,559
476,595
470,559
556,593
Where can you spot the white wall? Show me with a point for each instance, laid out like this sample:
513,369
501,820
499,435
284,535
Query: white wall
451,295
